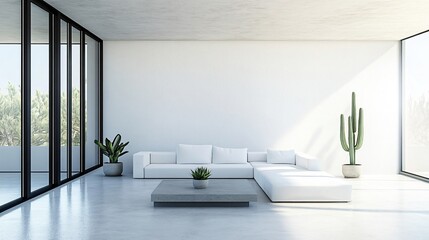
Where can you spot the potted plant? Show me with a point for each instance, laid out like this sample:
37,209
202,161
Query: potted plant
113,150
200,176
354,140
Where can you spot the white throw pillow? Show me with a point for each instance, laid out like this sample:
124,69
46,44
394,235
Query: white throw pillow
275,156
229,155
201,154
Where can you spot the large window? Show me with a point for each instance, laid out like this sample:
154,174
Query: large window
75,100
64,127
39,97
92,70
415,77
10,102
49,100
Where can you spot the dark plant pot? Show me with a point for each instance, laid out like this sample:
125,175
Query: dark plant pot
113,169
351,171
200,184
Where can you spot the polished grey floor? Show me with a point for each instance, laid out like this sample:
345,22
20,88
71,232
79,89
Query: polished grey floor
10,184
98,207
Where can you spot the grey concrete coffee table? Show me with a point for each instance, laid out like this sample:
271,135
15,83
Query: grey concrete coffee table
219,193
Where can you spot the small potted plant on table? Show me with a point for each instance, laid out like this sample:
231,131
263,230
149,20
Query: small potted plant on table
201,176
113,150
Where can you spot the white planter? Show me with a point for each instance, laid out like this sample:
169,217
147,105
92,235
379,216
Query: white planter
112,169
351,171
200,184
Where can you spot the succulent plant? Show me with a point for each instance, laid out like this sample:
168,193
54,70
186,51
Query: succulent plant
201,173
112,149
354,141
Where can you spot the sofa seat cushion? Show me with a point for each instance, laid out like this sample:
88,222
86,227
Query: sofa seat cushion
289,183
244,170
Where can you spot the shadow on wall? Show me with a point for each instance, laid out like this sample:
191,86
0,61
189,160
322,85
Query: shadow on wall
257,95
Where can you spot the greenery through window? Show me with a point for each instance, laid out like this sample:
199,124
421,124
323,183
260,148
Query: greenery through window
10,120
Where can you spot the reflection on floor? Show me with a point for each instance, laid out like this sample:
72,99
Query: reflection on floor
98,207
10,184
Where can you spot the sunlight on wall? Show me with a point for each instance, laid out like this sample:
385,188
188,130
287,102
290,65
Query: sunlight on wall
378,94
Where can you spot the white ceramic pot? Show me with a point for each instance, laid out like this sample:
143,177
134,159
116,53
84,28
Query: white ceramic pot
112,169
351,171
200,184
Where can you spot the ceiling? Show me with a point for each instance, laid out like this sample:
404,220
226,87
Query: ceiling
249,19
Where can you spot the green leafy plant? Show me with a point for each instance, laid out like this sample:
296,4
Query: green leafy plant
355,140
112,149
201,173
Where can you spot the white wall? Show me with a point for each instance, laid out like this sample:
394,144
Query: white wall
254,94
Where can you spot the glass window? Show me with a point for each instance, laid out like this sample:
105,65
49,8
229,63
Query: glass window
91,100
75,101
39,97
415,69
64,102
10,102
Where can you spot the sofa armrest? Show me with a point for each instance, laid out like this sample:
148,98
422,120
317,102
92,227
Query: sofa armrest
308,162
140,161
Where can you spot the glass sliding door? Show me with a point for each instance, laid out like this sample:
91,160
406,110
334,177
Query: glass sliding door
92,67
75,100
40,38
415,70
10,102
64,100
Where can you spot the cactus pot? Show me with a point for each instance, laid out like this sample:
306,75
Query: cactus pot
200,184
112,169
351,171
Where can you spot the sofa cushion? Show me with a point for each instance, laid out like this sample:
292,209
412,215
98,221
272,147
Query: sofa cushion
194,154
184,170
229,155
308,162
256,156
275,156
162,157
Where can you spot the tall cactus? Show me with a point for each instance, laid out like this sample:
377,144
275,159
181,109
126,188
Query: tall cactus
354,141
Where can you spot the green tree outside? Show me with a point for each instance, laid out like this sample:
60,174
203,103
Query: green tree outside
10,118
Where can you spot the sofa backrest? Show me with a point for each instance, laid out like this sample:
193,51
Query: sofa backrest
256,156
163,157
170,157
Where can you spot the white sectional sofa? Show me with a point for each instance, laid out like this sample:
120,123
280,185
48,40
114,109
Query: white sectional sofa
300,181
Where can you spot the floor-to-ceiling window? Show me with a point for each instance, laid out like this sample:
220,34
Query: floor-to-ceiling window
10,102
39,84
415,105
49,100
75,100
92,75
64,127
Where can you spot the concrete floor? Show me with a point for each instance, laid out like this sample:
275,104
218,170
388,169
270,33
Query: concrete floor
98,207
10,184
